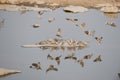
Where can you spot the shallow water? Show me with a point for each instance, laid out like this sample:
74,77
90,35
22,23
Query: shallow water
17,31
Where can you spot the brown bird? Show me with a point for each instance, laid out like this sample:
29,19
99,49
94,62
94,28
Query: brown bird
80,61
89,33
71,56
51,67
49,57
58,34
98,59
58,59
72,19
88,56
111,24
82,25
99,39
36,66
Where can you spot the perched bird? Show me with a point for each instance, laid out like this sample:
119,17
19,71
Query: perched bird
80,61
98,59
36,25
51,67
51,20
99,39
49,57
36,65
89,33
58,59
111,24
88,56
71,56
72,19
58,34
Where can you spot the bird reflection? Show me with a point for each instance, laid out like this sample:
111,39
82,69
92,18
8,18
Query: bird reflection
51,68
98,59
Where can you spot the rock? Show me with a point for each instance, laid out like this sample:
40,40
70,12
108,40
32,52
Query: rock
75,9
103,5
110,9
5,72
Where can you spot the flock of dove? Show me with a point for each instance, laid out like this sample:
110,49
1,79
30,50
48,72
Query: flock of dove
72,55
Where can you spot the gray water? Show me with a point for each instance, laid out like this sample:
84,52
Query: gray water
17,31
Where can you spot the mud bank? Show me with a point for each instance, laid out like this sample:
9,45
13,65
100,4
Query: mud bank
85,3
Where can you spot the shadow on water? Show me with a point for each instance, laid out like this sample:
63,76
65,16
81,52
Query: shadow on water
18,30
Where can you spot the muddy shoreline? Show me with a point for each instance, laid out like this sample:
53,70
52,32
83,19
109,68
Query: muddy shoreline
49,3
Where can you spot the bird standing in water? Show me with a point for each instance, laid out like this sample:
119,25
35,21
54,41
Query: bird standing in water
58,34
71,56
58,59
98,59
80,61
51,68
49,57
99,39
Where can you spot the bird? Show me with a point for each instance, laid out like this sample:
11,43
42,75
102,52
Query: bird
72,19
51,20
88,56
97,59
89,33
58,34
49,57
36,65
80,61
111,24
82,25
58,59
71,56
51,67
40,13
99,39
36,25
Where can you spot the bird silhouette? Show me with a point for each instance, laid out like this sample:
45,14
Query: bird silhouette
71,56
51,68
99,39
98,59
49,57
88,56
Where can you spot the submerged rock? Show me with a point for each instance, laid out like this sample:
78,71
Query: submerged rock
75,9
5,72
